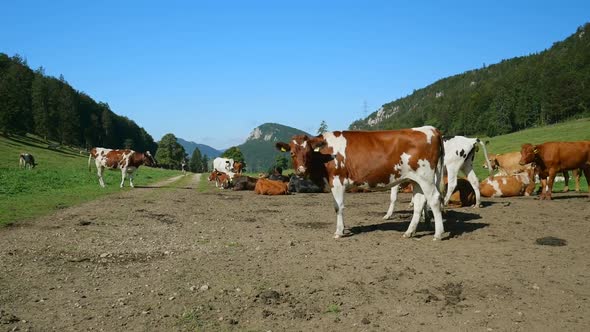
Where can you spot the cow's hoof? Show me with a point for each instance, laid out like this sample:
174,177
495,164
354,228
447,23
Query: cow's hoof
408,235
386,217
436,238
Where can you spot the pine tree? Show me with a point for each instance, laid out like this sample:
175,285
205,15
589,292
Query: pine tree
233,153
196,162
323,127
170,153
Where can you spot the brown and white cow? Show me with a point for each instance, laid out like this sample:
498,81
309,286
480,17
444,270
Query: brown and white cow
509,185
271,187
553,157
506,163
238,167
374,158
222,180
126,160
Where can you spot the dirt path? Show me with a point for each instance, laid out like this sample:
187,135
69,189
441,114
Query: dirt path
169,257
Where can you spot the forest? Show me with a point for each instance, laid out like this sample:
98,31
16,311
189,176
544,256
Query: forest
32,102
523,92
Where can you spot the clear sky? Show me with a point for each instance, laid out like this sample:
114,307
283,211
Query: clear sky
211,71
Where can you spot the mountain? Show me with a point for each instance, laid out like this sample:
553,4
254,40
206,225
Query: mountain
189,147
259,149
535,90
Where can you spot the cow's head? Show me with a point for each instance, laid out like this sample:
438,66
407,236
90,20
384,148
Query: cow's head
149,160
301,148
493,161
238,167
527,153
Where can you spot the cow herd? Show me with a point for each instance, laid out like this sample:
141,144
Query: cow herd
419,160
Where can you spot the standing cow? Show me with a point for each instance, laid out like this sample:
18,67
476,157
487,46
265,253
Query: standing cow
375,158
26,161
553,157
224,165
126,160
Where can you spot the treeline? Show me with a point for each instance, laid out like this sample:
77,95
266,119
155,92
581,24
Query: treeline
535,90
31,102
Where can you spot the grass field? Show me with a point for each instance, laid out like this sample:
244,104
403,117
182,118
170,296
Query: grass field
61,179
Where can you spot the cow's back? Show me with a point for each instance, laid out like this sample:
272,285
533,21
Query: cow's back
271,187
565,155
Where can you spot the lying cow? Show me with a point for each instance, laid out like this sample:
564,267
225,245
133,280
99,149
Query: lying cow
271,187
222,180
243,182
374,158
509,185
26,161
463,194
553,157
505,163
299,184
126,160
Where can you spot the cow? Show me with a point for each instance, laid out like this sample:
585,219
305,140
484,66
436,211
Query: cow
183,167
299,184
463,194
126,160
553,157
222,180
509,185
387,157
26,161
243,182
505,163
224,165
459,152
271,187
238,167
277,174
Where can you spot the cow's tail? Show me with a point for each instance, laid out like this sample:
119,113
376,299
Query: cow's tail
485,155
440,167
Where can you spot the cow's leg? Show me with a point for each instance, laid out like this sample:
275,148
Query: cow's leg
123,174
576,173
550,181
392,199
338,194
566,181
131,179
432,197
474,181
419,201
587,175
452,183
100,170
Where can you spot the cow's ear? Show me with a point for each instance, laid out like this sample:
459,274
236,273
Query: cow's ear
283,147
317,143
535,149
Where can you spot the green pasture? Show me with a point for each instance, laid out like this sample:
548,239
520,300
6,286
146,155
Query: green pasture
61,179
575,130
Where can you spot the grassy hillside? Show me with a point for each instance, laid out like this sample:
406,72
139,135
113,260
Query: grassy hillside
576,130
61,179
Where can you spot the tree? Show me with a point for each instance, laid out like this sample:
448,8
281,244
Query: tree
281,161
170,153
205,163
196,162
323,127
233,153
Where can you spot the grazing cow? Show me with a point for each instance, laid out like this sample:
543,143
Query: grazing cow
271,187
224,165
238,167
299,184
509,185
243,182
553,157
374,158
126,160
26,161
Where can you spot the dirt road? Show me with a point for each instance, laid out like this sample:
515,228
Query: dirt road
173,258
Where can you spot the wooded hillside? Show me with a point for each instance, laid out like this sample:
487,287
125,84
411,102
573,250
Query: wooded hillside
522,92
31,102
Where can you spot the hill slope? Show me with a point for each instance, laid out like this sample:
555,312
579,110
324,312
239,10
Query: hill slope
189,147
519,93
259,150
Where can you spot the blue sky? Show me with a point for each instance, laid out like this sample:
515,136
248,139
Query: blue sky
211,71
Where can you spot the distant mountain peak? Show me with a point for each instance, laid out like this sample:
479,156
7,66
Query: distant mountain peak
270,132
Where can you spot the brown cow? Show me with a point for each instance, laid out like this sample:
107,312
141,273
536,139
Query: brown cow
127,160
509,185
553,157
374,158
243,182
463,194
238,167
222,180
271,187
506,163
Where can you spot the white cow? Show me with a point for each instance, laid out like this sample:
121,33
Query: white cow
459,155
224,165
